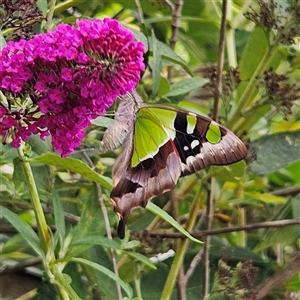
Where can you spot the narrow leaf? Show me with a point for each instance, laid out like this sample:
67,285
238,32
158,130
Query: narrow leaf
23,228
256,47
267,198
185,86
58,215
63,280
162,214
126,287
157,66
74,165
141,258
98,240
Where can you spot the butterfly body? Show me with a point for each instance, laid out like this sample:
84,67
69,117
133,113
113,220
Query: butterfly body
162,144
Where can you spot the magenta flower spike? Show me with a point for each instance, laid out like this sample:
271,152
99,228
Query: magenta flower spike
56,83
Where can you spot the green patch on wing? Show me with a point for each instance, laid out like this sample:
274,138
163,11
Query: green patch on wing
213,134
191,121
165,117
152,130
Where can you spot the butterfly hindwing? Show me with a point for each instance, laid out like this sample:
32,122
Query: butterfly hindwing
135,186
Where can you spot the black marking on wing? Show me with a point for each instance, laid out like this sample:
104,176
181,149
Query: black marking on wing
197,153
183,140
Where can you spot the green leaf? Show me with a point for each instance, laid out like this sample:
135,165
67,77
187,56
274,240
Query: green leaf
275,151
202,37
293,170
98,240
18,175
141,258
74,165
161,51
39,146
164,87
293,284
64,281
254,114
157,65
2,41
126,287
6,185
102,121
233,173
162,214
42,5
7,153
91,224
255,49
23,228
265,197
165,52
283,236
185,86
58,215
295,204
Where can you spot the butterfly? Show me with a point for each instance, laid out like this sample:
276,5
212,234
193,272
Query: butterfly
160,144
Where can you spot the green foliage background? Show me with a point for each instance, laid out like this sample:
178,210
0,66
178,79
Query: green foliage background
78,261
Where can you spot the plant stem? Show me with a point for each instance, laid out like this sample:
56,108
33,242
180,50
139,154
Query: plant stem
271,224
44,235
137,281
206,248
167,292
63,6
64,289
36,204
241,222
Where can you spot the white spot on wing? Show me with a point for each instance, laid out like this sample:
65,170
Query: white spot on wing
195,143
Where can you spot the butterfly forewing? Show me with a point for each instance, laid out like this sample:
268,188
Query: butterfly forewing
200,142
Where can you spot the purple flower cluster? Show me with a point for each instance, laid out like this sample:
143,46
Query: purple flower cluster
57,82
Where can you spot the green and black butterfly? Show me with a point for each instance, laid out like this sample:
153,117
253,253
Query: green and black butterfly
161,144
